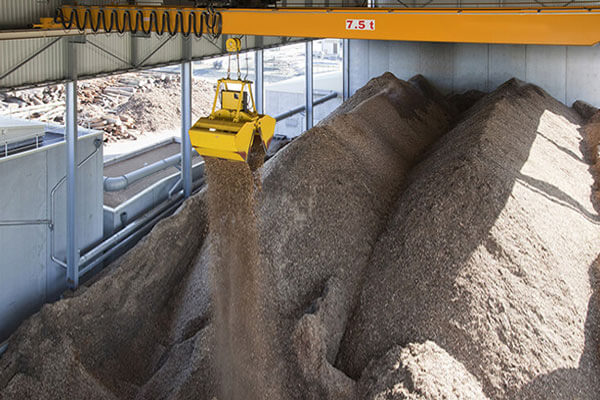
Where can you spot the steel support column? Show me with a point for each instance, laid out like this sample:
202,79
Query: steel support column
346,68
259,81
309,84
186,124
71,148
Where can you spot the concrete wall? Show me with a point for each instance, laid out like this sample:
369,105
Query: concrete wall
568,73
28,277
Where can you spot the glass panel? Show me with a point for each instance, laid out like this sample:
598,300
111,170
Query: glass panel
327,76
213,69
284,72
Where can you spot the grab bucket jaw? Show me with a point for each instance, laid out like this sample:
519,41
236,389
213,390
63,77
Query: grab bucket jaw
210,139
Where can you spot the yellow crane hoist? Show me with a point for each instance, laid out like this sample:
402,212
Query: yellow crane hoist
229,132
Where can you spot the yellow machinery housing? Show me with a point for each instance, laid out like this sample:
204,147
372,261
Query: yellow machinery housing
230,131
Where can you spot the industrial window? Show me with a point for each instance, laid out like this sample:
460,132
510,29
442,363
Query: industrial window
284,76
327,76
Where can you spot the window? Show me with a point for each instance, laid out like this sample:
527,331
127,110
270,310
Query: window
284,72
327,76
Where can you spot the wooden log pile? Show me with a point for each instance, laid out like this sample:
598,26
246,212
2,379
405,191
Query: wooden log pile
101,102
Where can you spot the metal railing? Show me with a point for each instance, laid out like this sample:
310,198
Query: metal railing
300,109
116,183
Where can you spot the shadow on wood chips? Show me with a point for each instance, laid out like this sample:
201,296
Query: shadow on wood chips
489,255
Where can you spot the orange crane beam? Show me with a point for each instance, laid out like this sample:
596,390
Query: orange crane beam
543,26
514,26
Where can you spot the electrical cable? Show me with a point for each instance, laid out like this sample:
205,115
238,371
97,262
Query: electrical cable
136,21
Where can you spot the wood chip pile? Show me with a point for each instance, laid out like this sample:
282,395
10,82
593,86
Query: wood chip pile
395,251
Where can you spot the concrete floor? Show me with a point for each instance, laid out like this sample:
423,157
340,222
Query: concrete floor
118,149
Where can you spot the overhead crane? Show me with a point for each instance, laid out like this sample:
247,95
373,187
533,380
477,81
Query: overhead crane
229,132
509,25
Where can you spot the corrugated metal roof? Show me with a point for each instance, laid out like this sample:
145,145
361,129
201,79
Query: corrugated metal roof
102,54
46,66
41,61
24,13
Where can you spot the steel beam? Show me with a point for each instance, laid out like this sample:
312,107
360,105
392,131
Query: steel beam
186,124
259,81
556,26
493,24
26,222
309,84
71,148
346,69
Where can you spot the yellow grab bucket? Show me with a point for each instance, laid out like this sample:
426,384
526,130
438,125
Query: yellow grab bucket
230,131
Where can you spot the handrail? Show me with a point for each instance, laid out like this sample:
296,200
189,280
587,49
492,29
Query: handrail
98,145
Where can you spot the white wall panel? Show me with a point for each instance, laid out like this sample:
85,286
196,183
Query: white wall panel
567,73
546,67
405,57
470,67
28,277
505,62
583,74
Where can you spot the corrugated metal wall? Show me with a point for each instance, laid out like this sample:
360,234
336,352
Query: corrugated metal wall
42,61
91,60
103,54
23,13
47,66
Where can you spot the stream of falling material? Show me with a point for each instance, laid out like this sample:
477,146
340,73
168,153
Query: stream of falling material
241,340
